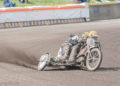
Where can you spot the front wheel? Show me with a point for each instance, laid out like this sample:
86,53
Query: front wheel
43,62
94,59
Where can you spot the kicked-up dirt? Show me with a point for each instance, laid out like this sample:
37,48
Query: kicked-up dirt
20,49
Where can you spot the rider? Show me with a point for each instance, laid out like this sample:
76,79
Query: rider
82,51
73,53
74,49
91,33
64,51
71,46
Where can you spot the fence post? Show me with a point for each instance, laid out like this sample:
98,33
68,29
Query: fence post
25,3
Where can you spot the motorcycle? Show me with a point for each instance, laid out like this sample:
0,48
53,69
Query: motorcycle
90,60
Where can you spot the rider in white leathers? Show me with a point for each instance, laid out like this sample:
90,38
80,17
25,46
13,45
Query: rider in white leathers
68,49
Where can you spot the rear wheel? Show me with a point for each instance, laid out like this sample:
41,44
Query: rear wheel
43,62
94,60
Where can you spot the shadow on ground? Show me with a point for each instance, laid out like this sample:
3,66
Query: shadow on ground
63,68
109,69
78,68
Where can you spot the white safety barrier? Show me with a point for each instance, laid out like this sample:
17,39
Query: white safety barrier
35,13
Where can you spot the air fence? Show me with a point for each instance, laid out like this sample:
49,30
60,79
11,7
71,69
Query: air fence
44,15
56,14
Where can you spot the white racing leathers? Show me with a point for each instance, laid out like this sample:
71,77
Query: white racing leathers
64,51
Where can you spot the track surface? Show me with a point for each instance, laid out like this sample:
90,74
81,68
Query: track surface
23,46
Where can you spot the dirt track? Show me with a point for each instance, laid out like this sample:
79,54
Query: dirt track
23,46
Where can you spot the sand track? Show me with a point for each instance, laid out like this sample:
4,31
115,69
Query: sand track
23,47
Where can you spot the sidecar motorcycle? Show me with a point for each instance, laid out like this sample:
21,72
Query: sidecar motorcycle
90,60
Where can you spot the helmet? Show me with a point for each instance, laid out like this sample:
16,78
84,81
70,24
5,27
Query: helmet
86,34
75,37
92,33
71,35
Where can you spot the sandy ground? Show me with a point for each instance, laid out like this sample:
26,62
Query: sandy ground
20,49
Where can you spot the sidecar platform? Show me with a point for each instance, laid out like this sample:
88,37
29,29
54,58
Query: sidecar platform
61,64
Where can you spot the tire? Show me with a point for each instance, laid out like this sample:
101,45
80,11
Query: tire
92,59
43,62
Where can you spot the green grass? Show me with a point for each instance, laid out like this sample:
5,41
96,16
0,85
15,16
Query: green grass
100,1
40,2
50,2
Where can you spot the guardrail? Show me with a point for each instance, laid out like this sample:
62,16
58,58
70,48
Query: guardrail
61,14
43,15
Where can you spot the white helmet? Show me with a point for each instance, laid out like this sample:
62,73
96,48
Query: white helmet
75,37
